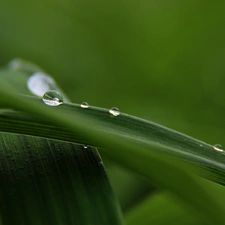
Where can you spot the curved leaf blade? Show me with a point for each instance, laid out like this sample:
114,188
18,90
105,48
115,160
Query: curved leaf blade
63,182
171,143
45,181
132,154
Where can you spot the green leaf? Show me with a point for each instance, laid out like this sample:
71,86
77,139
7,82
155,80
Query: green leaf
145,133
45,181
131,150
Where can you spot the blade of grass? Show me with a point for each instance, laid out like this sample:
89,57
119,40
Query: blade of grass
132,153
210,163
180,145
19,80
47,181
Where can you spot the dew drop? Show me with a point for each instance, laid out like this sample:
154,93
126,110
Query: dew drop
85,147
39,83
218,148
84,105
114,111
52,98
15,64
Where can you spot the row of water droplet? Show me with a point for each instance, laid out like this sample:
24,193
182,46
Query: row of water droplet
40,83
54,98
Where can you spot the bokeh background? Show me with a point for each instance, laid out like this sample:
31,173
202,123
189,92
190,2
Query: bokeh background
160,60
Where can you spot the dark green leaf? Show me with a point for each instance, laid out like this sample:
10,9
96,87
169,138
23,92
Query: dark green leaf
44,181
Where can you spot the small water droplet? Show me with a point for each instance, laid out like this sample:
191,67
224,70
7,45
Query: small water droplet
84,105
201,145
218,148
15,64
114,111
85,147
52,98
39,83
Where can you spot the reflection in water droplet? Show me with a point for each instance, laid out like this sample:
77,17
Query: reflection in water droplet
52,98
39,83
218,148
114,111
84,105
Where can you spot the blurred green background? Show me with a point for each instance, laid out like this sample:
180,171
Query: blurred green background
159,60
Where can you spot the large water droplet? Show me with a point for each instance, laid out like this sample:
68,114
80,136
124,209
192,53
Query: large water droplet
39,83
218,148
52,98
84,105
114,111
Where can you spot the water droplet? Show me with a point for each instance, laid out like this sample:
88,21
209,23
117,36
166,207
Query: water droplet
84,105
85,147
52,98
114,111
15,64
39,83
218,148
